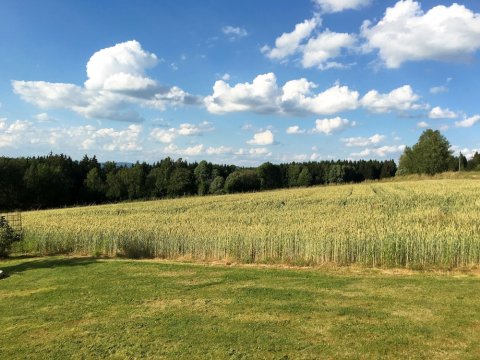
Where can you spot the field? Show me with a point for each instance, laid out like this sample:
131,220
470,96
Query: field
87,308
410,224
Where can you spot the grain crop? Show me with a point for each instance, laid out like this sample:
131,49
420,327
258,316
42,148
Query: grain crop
395,224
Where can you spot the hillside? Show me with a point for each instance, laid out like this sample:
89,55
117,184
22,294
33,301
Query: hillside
392,224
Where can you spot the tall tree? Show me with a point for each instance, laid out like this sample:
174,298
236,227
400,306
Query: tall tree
270,176
203,175
430,155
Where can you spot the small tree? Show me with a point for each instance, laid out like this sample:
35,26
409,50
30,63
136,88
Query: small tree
7,237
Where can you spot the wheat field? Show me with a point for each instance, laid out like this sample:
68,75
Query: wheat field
394,224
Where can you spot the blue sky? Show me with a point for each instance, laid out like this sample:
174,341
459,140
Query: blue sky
237,82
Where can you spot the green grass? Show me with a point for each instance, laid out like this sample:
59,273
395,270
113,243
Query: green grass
81,308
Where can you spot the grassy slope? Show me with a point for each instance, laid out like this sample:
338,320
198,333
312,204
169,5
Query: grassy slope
85,308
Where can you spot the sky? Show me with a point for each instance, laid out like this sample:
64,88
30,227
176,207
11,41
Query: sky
237,82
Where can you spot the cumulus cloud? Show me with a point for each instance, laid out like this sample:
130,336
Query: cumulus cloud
259,152
288,43
11,134
294,130
110,139
407,33
166,136
400,99
468,122
422,125
315,51
120,68
169,135
333,6
382,151
363,141
116,84
330,126
191,129
327,45
220,150
264,96
234,32
173,149
86,137
438,113
298,97
262,138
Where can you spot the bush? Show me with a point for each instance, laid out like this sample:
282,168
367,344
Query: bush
7,237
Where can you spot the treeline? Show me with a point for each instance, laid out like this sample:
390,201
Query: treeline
57,180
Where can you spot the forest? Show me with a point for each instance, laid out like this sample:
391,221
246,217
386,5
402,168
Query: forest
58,180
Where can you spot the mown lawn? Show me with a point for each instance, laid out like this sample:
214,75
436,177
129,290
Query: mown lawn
80,308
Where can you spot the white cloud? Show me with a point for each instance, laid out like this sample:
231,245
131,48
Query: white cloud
288,43
169,135
438,89
221,150
90,138
317,51
327,45
259,152
439,113
422,125
263,96
330,126
108,139
262,138
401,99
363,141
225,77
234,32
407,33
188,151
333,6
116,85
468,153
468,122
256,96
51,95
165,136
44,118
120,68
442,88
191,129
382,151
294,130
84,138
297,98
11,135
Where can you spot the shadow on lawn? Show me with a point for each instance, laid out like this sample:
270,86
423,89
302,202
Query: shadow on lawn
47,263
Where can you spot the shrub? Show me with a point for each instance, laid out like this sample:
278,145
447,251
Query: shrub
7,236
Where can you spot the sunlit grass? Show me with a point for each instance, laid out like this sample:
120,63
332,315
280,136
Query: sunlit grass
61,308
